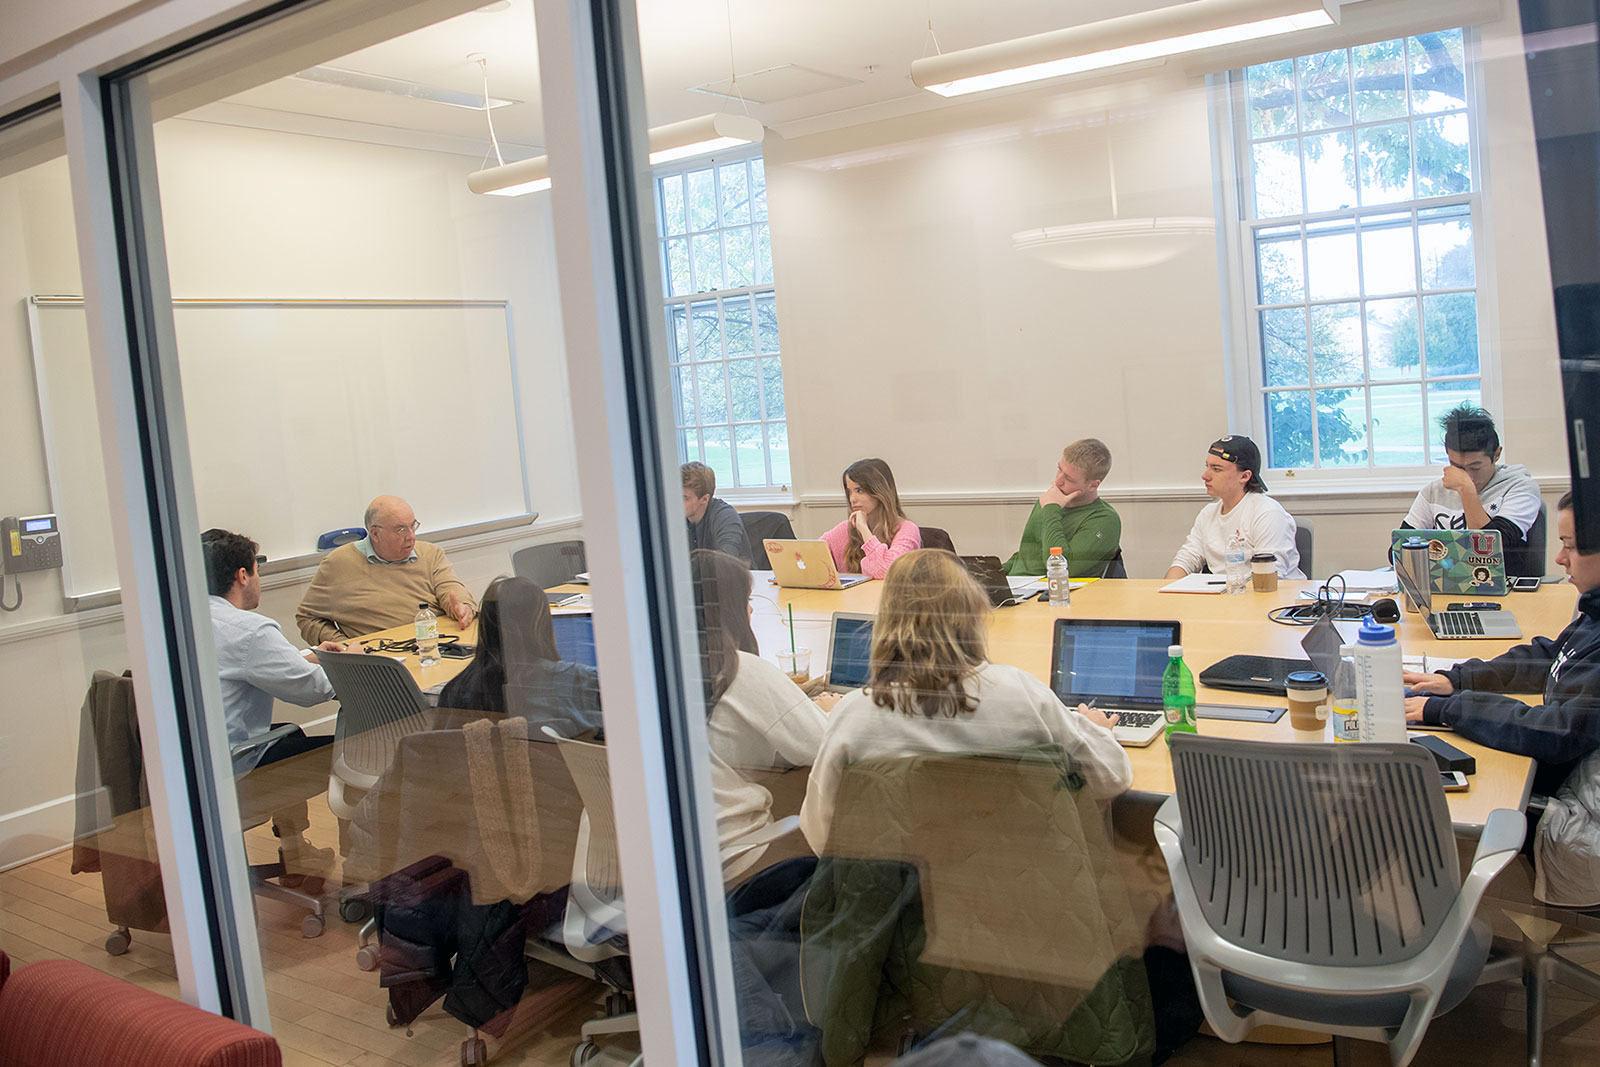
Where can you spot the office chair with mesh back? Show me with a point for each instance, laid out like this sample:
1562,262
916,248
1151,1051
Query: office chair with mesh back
595,913
1115,567
550,564
1318,885
379,703
760,525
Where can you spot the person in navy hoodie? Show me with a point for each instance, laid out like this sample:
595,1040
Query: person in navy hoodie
1558,732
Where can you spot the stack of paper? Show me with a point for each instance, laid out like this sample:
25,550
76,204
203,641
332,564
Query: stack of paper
1197,583
1379,581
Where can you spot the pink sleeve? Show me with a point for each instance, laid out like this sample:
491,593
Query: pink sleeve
875,558
838,540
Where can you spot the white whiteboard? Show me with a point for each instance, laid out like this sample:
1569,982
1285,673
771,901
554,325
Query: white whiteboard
298,414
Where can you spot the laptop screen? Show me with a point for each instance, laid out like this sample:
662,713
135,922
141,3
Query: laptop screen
575,638
1115,661
848,656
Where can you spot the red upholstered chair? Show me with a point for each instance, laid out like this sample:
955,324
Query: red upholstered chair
60,1013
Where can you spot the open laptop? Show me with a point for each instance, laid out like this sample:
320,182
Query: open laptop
807,565
1269,674
575,637
990,573
849,651
1117,663
1464,562
1454,625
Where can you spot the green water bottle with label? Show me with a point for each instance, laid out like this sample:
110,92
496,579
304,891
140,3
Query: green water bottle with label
1177,694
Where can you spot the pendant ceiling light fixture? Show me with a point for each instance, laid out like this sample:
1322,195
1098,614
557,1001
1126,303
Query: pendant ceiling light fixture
675,140
1115,243
1140,37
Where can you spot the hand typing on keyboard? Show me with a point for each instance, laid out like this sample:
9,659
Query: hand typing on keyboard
1098,717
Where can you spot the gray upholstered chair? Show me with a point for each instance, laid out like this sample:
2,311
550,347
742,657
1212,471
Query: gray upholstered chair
555,563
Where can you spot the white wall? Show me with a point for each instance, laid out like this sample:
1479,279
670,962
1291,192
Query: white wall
261,214
907,315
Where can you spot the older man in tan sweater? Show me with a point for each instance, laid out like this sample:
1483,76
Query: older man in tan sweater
378,581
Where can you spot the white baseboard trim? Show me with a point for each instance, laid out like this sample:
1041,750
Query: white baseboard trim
34,832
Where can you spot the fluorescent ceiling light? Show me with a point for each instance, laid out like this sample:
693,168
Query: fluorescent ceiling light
1113,244
1167,31
677,140
378,83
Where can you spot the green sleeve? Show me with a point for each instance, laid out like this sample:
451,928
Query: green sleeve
1029,557
1094,542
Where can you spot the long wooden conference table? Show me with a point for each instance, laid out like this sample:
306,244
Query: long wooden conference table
1213,626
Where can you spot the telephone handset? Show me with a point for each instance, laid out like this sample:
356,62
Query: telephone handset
27,543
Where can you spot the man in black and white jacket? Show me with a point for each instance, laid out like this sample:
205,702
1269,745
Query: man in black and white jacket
1477,491
1559,732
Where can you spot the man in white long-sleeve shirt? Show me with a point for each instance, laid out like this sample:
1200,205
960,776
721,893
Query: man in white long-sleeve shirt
1241,507
258,665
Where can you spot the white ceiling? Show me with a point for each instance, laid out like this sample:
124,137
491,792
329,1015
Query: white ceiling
684,43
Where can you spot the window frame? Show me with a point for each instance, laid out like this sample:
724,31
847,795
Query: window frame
1243,355
772,489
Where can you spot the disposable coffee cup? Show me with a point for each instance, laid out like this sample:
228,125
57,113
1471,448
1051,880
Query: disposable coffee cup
1308,701
796,663
1264,572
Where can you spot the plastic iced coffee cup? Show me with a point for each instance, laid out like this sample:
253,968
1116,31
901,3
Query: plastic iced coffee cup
796,663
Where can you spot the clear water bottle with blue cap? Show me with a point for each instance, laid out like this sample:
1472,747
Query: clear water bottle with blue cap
1380,685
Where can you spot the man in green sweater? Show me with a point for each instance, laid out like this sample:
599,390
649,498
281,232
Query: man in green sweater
1071,516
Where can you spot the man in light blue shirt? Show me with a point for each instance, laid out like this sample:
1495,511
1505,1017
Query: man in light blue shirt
258,665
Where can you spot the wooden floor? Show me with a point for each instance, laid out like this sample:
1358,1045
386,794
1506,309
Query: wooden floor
328,1012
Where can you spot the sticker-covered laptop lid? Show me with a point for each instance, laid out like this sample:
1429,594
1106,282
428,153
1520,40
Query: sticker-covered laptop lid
1462,562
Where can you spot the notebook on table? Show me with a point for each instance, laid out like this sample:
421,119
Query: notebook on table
1117,664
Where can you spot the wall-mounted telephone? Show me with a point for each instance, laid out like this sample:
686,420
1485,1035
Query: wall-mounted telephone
28,543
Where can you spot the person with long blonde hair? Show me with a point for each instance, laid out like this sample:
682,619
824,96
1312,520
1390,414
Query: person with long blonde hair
877,532
932,689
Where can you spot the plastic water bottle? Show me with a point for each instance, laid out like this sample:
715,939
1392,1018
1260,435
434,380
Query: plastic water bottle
1346,717
427,636
1380,688
1236,563
1060,581
1177,694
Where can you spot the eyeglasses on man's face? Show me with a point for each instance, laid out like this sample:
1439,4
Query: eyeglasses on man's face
401,531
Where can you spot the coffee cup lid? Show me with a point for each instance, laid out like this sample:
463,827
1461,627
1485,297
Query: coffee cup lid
1305,680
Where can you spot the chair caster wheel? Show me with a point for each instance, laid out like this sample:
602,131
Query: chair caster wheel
311,926
354,910
389,1016
118,942
367,957
474,1051
585,1052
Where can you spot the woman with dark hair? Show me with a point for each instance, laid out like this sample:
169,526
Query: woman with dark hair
517,669
877,531
757,718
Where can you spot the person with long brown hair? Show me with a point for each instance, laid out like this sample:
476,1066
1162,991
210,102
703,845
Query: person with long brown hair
877,531
931,688
757,718
516,668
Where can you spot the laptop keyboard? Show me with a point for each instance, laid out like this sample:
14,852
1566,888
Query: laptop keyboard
1458,624
1137,720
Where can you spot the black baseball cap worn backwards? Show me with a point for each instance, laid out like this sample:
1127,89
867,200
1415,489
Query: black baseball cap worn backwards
1242,453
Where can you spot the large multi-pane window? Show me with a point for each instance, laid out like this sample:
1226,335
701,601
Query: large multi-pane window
722,322
1359,200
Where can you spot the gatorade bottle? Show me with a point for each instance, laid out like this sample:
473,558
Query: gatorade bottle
1177,694
1059,580
427,636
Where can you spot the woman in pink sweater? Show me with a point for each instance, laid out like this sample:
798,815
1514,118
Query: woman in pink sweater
877,531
